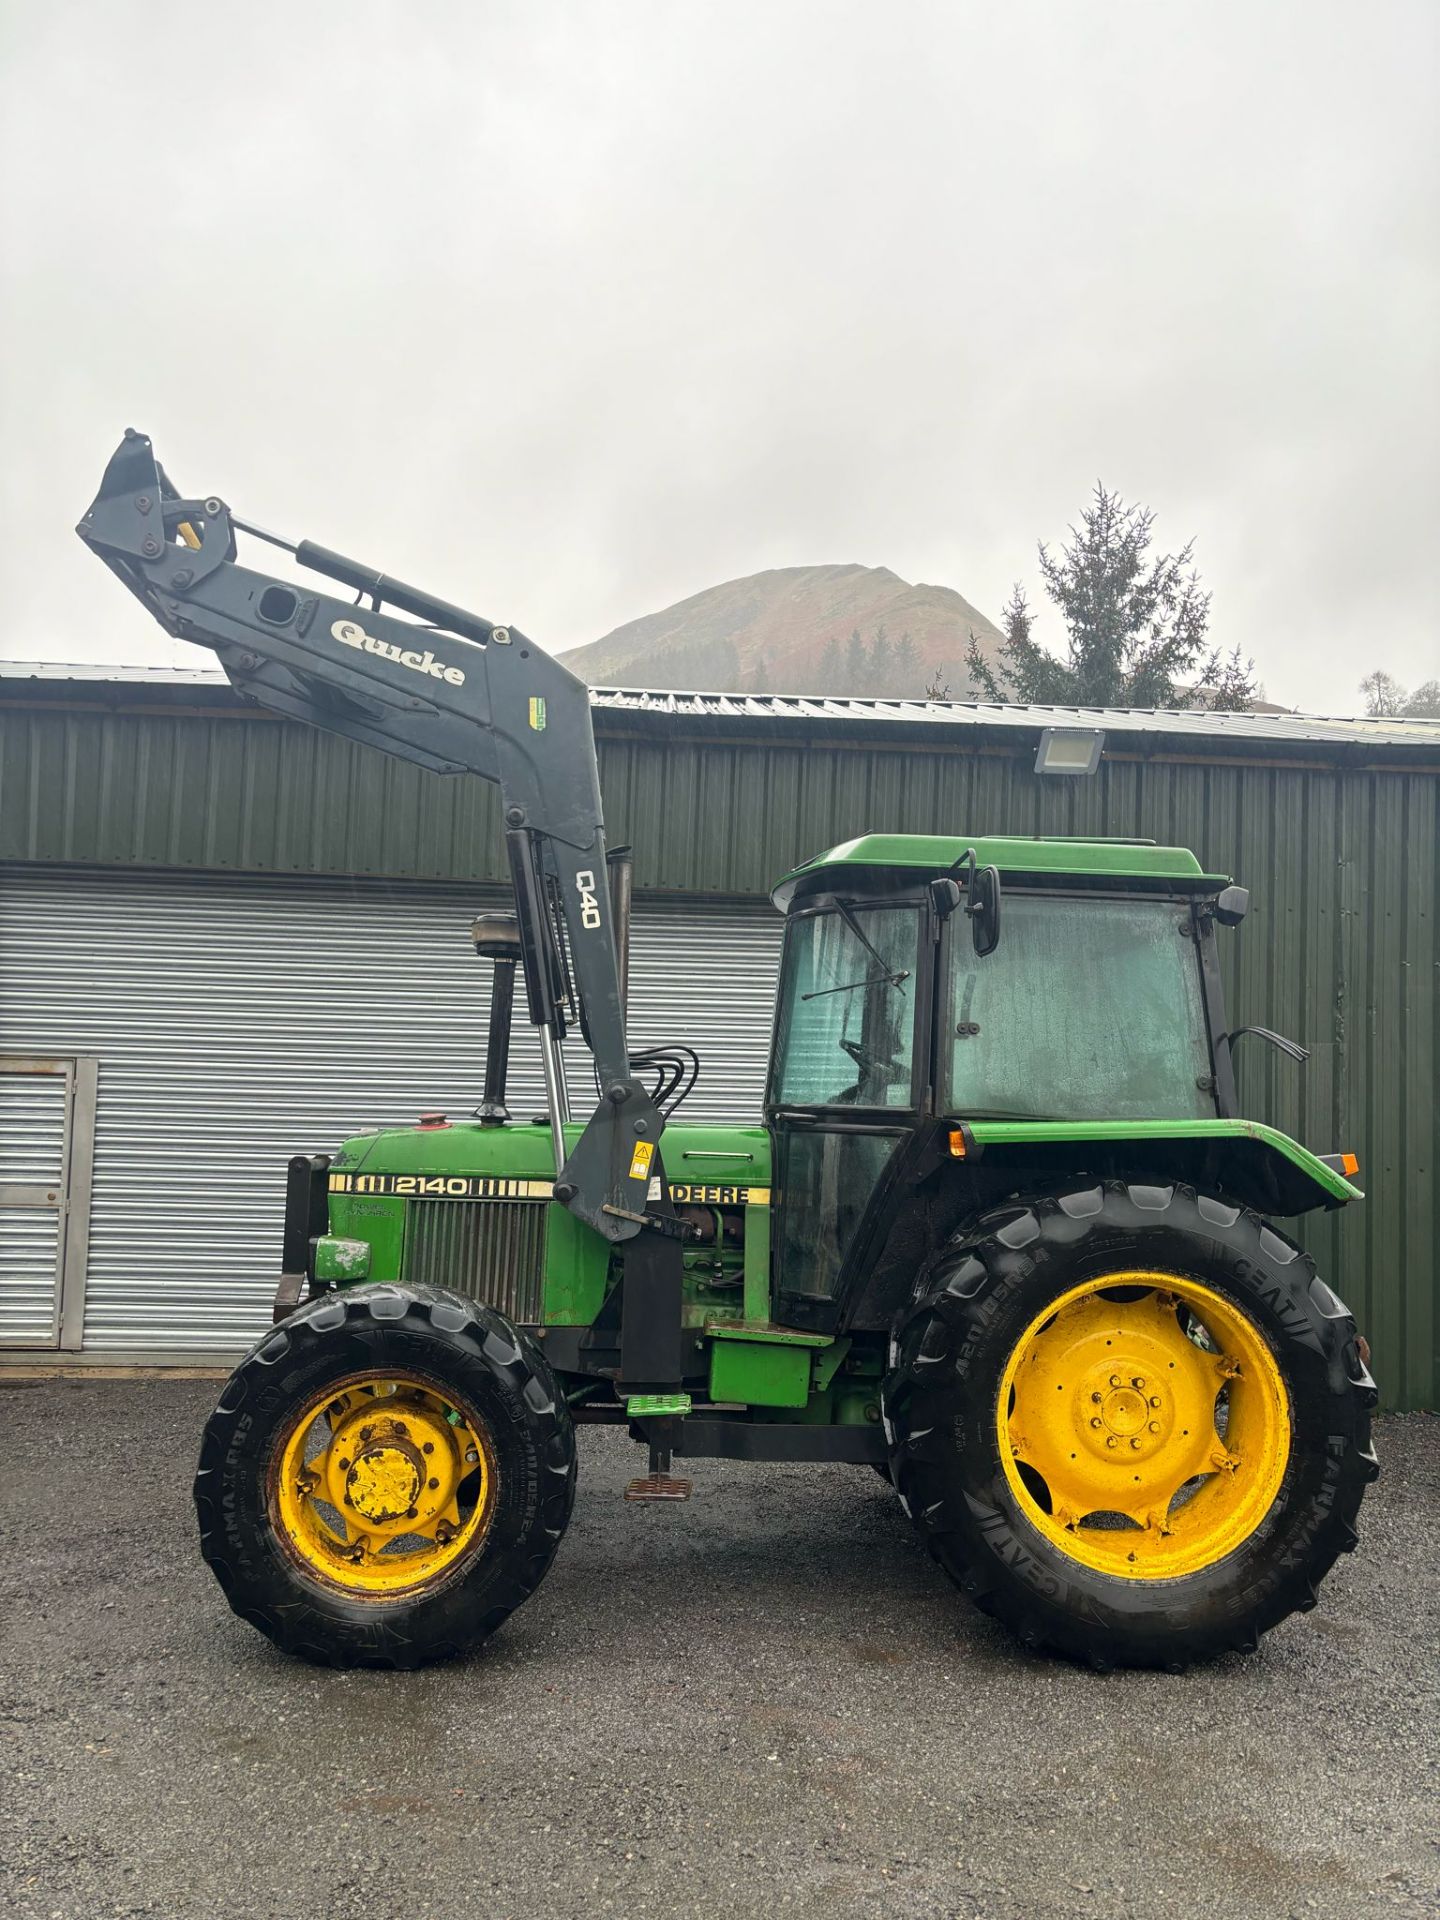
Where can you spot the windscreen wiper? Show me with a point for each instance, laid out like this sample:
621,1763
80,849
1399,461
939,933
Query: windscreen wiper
870,980
860,934
888,977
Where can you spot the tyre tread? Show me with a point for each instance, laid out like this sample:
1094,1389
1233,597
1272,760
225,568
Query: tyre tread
955,1299
483,1336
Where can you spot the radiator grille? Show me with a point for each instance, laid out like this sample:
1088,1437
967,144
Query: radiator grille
490,1250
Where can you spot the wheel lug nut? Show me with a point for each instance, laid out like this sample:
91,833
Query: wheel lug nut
1138,1382
1154,1426
1096,1398
429,1447
1114,1379
471,1456
1111,1441
344,1465
1154,1399
410,1513
432,1484
1135,1443
1095,1422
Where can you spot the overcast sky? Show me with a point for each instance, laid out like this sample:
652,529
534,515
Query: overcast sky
568,311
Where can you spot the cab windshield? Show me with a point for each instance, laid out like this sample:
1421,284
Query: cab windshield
846,1034
1090,1009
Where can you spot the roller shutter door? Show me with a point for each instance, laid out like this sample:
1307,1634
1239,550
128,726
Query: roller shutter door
32,1175
237,1021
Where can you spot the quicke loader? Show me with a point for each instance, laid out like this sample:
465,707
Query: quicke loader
1001,1235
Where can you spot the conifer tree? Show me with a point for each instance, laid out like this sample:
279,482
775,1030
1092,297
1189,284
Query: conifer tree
857,663
1135,625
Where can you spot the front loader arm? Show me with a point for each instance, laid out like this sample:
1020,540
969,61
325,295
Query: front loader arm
457,695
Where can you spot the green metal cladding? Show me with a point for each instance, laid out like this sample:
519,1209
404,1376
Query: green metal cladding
1338,951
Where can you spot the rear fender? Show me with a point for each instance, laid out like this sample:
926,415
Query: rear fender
1257,1164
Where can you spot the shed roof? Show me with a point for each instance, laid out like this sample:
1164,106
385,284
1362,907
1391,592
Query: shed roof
831,713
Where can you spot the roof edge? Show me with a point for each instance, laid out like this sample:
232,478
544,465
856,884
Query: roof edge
856,714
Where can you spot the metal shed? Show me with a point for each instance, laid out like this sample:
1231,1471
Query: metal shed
168,851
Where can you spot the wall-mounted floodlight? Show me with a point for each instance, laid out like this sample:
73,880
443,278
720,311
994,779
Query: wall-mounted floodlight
1069,750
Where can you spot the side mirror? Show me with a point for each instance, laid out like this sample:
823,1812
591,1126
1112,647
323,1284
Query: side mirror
983,907
1231,905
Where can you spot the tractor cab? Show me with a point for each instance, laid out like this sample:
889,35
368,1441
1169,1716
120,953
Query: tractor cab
913,1001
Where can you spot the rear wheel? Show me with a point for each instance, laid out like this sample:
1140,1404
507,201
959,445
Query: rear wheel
386,1477
1132,1422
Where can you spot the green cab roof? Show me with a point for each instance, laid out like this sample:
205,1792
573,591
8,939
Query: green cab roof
1014,854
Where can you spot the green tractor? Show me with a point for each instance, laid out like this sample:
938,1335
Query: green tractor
1001,1236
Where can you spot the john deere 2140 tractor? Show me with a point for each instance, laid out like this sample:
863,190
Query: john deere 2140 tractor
1000,1235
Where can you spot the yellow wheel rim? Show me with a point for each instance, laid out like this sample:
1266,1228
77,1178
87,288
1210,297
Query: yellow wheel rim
1144,1426
384,1483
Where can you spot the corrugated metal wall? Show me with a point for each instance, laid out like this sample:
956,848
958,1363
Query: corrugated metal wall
240,1020
1339,950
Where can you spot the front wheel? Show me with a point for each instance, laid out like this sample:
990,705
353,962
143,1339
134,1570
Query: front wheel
386,1477
1132,1422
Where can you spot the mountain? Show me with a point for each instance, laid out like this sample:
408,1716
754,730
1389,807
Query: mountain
791,631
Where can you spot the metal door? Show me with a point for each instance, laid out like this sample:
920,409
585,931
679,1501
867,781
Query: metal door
47,1140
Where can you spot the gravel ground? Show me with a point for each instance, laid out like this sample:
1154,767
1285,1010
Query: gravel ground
766,1703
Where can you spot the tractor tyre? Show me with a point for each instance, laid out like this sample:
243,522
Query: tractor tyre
1131,1422
386,1477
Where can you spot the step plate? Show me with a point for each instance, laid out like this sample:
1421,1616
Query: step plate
659,1486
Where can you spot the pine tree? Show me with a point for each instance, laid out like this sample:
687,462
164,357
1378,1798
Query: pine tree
881,678
907,667
831,668
857,664
1016,620
1135,625
1229,685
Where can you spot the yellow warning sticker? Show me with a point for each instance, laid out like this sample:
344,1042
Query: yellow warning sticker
640,1160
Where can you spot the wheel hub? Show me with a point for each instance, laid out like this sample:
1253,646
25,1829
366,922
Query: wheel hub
1119,1409
1108,1413
383,1483
385,1480
393,1470
1123,1411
